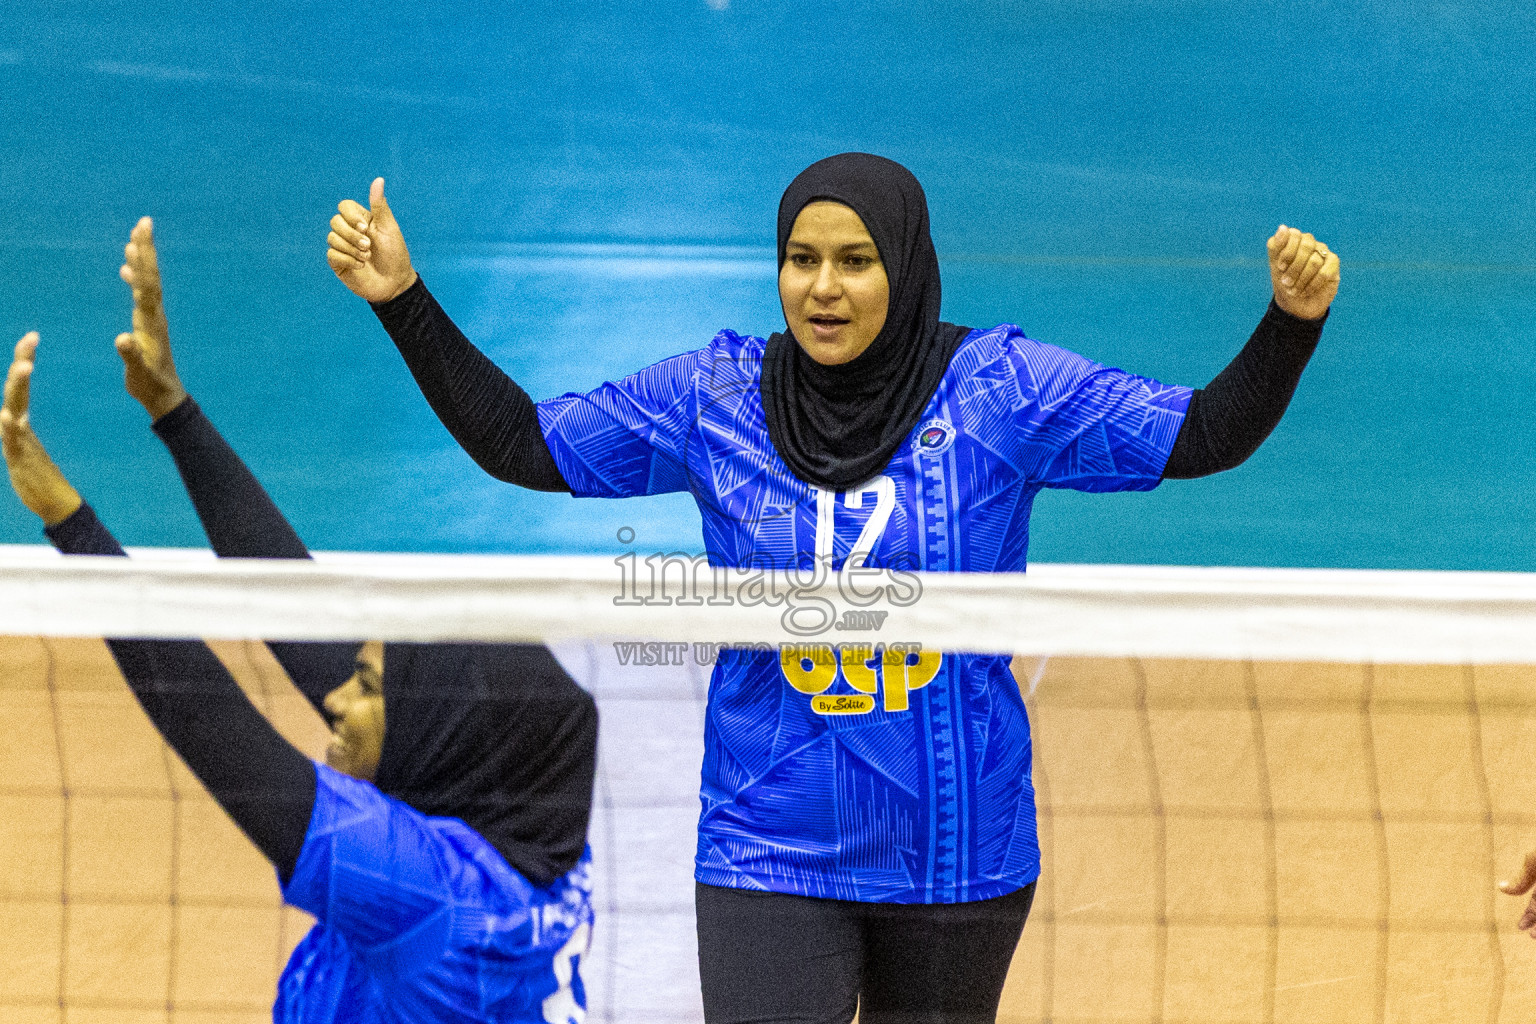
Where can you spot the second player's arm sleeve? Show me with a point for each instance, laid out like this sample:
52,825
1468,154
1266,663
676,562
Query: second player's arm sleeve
490,416
260,780
242,521
1231,416
1091,427
373,870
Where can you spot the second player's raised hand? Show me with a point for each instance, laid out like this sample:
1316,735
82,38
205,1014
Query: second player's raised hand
149,371
366,249
37,481
1305,275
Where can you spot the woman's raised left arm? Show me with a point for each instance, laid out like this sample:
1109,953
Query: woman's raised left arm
236,513
1228,419
258,777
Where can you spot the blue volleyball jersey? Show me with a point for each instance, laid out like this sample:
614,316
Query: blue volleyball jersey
421,920
839,769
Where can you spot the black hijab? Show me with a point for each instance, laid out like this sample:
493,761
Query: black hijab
837,426
499,736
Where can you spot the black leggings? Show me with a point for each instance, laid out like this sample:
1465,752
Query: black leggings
771,958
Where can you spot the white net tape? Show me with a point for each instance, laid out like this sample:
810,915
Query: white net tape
1147,611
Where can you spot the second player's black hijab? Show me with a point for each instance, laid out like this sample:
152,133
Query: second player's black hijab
837,426
499,736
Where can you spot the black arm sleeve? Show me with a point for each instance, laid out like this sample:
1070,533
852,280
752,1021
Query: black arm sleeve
260,780
486,412
242,521
1228,420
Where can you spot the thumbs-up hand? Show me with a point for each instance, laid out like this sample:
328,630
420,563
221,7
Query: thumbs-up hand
367,250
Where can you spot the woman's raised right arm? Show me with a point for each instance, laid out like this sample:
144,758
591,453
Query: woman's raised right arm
486,412
491,417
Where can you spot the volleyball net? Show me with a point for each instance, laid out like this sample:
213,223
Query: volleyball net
1264,795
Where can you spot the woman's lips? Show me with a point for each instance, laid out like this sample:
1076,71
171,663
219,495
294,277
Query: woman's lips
827,327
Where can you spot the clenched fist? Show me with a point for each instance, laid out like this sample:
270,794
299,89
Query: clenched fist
367,250
1304,273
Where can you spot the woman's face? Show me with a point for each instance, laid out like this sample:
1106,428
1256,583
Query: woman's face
833,285
356,708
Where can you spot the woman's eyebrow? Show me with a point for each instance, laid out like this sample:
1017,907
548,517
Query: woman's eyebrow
845,247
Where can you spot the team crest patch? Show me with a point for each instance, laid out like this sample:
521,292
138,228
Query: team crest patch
934,438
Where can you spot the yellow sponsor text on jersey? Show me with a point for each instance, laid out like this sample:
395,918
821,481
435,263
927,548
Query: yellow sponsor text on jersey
893,670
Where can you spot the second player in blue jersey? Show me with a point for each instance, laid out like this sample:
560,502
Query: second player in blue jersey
442,847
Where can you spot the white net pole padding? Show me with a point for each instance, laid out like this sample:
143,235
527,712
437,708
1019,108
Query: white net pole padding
1102,611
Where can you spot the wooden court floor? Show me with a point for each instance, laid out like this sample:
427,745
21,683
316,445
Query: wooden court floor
1223,842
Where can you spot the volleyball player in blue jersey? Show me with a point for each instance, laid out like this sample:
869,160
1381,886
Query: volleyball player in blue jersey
867,837
442,847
